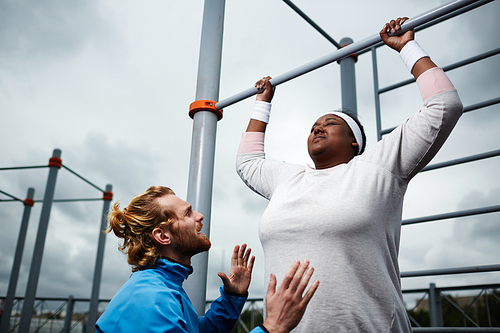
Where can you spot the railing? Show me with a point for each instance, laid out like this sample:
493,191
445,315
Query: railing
252,314
436,296
53,314
58,315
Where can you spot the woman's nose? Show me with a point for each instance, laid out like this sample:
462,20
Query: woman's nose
318,129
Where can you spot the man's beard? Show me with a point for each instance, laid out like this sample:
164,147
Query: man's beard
189,242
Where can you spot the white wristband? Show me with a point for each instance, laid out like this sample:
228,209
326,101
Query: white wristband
411,53
261,111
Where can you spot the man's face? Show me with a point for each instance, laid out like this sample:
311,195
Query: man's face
187,238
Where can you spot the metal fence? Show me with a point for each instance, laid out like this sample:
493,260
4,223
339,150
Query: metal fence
63,315
54,314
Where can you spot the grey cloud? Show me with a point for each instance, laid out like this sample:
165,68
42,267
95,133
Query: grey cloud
45,29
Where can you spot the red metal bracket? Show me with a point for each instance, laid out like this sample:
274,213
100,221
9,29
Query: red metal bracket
354,55
55,162
107,195
29,202
204,105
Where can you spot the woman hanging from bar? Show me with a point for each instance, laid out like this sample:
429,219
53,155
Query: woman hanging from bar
344,214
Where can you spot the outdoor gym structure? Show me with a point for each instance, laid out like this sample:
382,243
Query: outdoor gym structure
55,163
206,111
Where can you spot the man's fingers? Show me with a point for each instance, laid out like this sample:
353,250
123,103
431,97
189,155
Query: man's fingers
304,281
299,275
246,256
234,257
271,288
250,264
241,254
310,293
289,275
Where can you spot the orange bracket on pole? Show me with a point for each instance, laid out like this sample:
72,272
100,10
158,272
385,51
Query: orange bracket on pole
204,105
354,55
55,162
29,202
107,195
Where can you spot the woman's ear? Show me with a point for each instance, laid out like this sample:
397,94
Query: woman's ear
355,145
162,236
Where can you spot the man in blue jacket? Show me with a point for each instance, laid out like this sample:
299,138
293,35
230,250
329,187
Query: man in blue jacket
160,233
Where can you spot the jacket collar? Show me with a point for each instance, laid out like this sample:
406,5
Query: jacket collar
174,270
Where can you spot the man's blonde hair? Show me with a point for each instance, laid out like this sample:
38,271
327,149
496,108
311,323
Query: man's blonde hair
135,224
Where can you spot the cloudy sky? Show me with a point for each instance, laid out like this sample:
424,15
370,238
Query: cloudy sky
110,83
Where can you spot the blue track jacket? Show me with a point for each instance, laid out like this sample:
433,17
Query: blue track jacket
153,300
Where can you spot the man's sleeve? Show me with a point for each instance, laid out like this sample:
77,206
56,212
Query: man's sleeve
147,313
223,313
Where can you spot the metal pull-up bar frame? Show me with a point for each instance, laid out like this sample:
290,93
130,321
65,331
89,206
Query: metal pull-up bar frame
201,169
348,50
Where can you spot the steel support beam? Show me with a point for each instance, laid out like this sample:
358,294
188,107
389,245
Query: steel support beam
201,168
96,284
435,307
313,24
348,79
452,271
14,274
69,314
376,93
36,261
348,50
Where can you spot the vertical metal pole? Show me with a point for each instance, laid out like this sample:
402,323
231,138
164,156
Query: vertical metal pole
376,93
69,314
487,307
252,316
14,274
435,307
201,167
36,261
348,80
94,299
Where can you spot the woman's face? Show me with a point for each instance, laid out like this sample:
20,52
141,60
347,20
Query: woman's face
330,137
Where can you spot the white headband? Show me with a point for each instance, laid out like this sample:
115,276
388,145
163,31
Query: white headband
353,125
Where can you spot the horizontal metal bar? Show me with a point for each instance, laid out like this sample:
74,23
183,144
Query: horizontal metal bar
396,85
73,200
26,167
462,213
451,288
466,109
59,299
461,63
448,271
480,105
439,20
312,23
462,160
471,60
413,291
455,329
347,51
